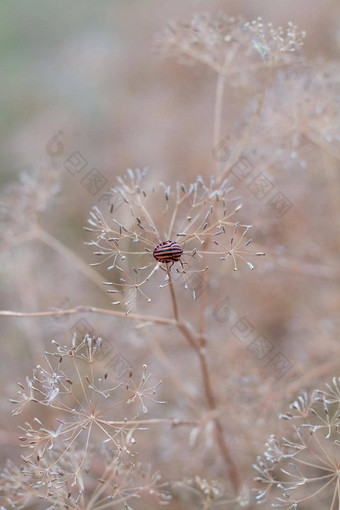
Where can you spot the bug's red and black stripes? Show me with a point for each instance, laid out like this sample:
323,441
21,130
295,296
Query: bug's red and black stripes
166,252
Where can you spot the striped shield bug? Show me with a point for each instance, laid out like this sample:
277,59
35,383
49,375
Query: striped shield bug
168,251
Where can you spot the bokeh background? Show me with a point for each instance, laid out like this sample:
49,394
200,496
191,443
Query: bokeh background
87,72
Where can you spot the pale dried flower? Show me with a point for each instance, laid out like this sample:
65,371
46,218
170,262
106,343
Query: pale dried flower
305,464
61,458
23,202
227,44
107,481
301,112
270,41
201,218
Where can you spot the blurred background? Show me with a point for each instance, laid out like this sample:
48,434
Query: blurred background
82,86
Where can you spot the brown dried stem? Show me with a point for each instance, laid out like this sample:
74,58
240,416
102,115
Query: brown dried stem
88,309
232,468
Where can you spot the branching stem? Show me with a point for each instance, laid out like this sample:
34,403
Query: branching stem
89,309
232,469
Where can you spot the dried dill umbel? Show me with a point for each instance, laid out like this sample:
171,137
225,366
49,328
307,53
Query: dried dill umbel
82,454
299,113
200,218
107,482
230,45
303,467
22,203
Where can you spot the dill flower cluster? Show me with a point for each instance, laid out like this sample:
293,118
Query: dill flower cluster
303,467
227,43
200,217
82,454
22,203
301,110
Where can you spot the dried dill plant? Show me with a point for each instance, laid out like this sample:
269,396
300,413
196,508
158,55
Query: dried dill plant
22,207
81,455
201,218
228,44
304,466
301,108
23,203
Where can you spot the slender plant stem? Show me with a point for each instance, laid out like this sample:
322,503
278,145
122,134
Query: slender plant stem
175,422
89,309
244,138
218,111
218,68
203,298
173,296
69,254
233,472
324,146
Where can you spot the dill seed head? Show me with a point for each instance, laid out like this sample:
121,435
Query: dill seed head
304,465
23,202
63,459
229,45
200,219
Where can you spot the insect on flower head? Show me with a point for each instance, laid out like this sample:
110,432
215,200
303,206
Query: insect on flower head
198,221
168,251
